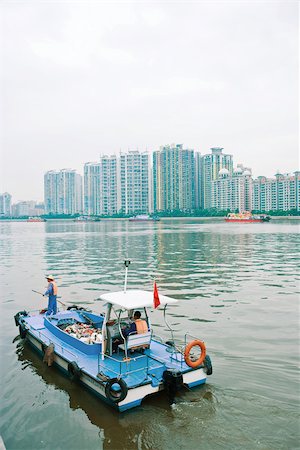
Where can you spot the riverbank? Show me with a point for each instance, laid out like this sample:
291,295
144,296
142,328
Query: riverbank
218,219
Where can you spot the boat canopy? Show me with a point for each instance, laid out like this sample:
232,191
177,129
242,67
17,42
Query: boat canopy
133,299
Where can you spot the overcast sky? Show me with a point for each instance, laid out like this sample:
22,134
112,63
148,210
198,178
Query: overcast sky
81,79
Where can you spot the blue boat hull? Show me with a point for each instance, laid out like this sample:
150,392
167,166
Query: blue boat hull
130,380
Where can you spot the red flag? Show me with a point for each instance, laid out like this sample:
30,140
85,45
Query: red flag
156,301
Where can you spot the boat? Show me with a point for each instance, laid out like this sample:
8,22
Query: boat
86,219
246,217
143,218
36,219
91,348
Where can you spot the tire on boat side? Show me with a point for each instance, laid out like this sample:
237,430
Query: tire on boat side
22,331
208,365
76,308
116,396
74,371
18,315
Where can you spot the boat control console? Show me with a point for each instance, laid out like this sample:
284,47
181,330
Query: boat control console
113,332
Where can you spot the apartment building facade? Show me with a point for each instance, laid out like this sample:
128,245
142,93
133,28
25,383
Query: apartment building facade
63,192
281,193
173,178
232,192
135,177
211,164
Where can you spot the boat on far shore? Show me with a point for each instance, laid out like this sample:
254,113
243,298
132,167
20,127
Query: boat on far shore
86,219
36,219
247,217
143,218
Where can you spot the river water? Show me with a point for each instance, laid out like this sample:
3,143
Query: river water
238,287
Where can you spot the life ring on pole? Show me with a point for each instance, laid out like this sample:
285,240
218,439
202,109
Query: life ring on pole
74,371
188,348
116,393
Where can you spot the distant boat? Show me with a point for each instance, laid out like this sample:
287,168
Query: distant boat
247,217
143,218
86,219
36,219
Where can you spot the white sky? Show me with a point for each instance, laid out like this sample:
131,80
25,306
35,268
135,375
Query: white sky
80,79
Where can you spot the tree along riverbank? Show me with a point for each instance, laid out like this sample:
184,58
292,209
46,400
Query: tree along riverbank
71,219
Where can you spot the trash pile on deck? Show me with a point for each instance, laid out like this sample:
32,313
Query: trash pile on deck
84,332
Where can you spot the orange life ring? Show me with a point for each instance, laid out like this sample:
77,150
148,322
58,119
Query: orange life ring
187,350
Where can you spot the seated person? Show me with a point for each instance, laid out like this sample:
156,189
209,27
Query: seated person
138,325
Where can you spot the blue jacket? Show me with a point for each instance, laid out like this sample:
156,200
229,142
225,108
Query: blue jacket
131,330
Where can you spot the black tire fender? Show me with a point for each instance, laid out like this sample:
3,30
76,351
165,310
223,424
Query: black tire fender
74,371
208,365
22,331
18,316
75,307
113,395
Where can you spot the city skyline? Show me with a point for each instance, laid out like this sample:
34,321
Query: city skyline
81,80
81,171
178,179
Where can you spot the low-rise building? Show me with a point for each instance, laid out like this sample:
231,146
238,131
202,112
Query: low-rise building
281,193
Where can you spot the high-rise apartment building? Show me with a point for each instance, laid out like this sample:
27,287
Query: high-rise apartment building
198,184
51,192
281,193
211,164
101,187
91,196
63,192
5,204
173,179
135,195
109,185
232,192
69,192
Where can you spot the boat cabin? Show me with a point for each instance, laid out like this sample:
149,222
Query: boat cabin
120,308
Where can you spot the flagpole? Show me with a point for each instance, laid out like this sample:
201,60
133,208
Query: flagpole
126,263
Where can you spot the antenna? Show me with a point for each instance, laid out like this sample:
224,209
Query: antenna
126,264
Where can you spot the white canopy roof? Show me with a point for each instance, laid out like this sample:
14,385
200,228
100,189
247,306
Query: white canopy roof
133,299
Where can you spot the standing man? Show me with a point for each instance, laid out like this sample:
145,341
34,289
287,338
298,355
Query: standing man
52,293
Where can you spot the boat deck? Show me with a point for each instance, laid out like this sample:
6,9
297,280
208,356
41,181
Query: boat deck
137,370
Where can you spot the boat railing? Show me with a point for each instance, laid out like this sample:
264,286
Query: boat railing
158,338
35,311
176,351
44,338
123,367
189,336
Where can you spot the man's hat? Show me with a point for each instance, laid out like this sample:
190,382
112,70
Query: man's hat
49,277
